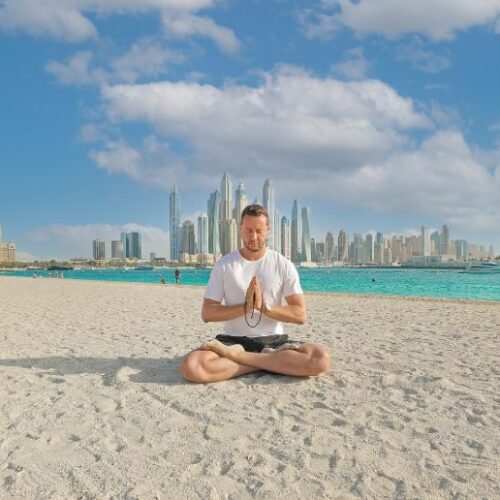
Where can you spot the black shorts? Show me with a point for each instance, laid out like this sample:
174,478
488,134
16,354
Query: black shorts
256,344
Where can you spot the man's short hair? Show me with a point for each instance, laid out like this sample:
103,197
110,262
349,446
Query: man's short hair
255,210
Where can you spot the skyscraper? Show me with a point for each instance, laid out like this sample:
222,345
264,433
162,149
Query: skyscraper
286,249
174,224
268,203
425,241
203,233
126,251
98,249
296,232
226,194
445,241
436,238
342,246
213,206
229,232
241,202
329,248
368,254
277,230
134,245
306,235
117,249
188,242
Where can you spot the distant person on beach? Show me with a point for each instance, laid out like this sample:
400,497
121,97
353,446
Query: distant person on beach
177,275
246,290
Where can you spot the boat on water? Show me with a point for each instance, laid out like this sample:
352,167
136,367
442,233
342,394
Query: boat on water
482,267
144,268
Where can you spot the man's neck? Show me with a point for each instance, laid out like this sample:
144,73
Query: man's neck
248,255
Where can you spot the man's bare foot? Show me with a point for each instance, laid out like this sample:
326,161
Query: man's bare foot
226,351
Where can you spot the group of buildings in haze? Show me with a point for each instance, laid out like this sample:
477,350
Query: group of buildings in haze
216,233
127,247
7,250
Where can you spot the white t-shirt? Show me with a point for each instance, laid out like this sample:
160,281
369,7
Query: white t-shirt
229,282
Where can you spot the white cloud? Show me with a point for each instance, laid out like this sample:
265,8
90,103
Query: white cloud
76,241
354,67
66,19
316,24
290,121
153,163
186,25
439,20
347,143
145,58
77,70
422,58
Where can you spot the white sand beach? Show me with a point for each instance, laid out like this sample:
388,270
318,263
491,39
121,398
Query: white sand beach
92,405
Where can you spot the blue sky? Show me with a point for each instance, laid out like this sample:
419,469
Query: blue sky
379,114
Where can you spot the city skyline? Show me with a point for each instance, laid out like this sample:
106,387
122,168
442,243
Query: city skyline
379,119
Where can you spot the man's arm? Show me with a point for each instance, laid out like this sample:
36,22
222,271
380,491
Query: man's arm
211,310
294,312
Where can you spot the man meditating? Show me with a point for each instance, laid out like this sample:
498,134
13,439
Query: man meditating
246,290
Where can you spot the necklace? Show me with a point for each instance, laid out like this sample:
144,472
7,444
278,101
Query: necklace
253,311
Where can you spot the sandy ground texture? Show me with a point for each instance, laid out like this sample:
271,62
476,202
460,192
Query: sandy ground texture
92,405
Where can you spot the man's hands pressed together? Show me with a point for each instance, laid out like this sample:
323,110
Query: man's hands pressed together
254,298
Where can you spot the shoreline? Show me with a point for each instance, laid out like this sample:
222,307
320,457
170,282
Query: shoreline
418,298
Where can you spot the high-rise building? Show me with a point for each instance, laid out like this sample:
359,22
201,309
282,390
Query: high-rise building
7,252
213,206
368,246
320,252
286,249
188,242
241,201
229,233
379,239
357,248
425,242
461,249
436,238
296,231
306,235
342,246
445,241
203,233
117,249
226,195
123,239
329,248
174,224
268,203
134,245
98,249
277,230
378,253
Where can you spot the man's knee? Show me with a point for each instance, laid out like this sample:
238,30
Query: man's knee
192,368
319,360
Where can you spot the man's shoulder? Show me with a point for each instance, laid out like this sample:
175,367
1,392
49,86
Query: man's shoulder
279,259
229,258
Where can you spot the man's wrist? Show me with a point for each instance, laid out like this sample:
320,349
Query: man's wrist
266,309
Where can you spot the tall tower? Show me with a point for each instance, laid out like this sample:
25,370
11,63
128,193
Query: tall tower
296,231
188,244
229,232
286,249
174,224
240,203
445,241
425,241
213,206
342,246
268,203
226,201
329,247
306,235
277,230
203,233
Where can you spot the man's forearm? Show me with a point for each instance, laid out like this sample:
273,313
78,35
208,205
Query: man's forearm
288,314
220,312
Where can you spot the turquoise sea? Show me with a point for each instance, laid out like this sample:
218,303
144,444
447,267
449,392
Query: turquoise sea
446,283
